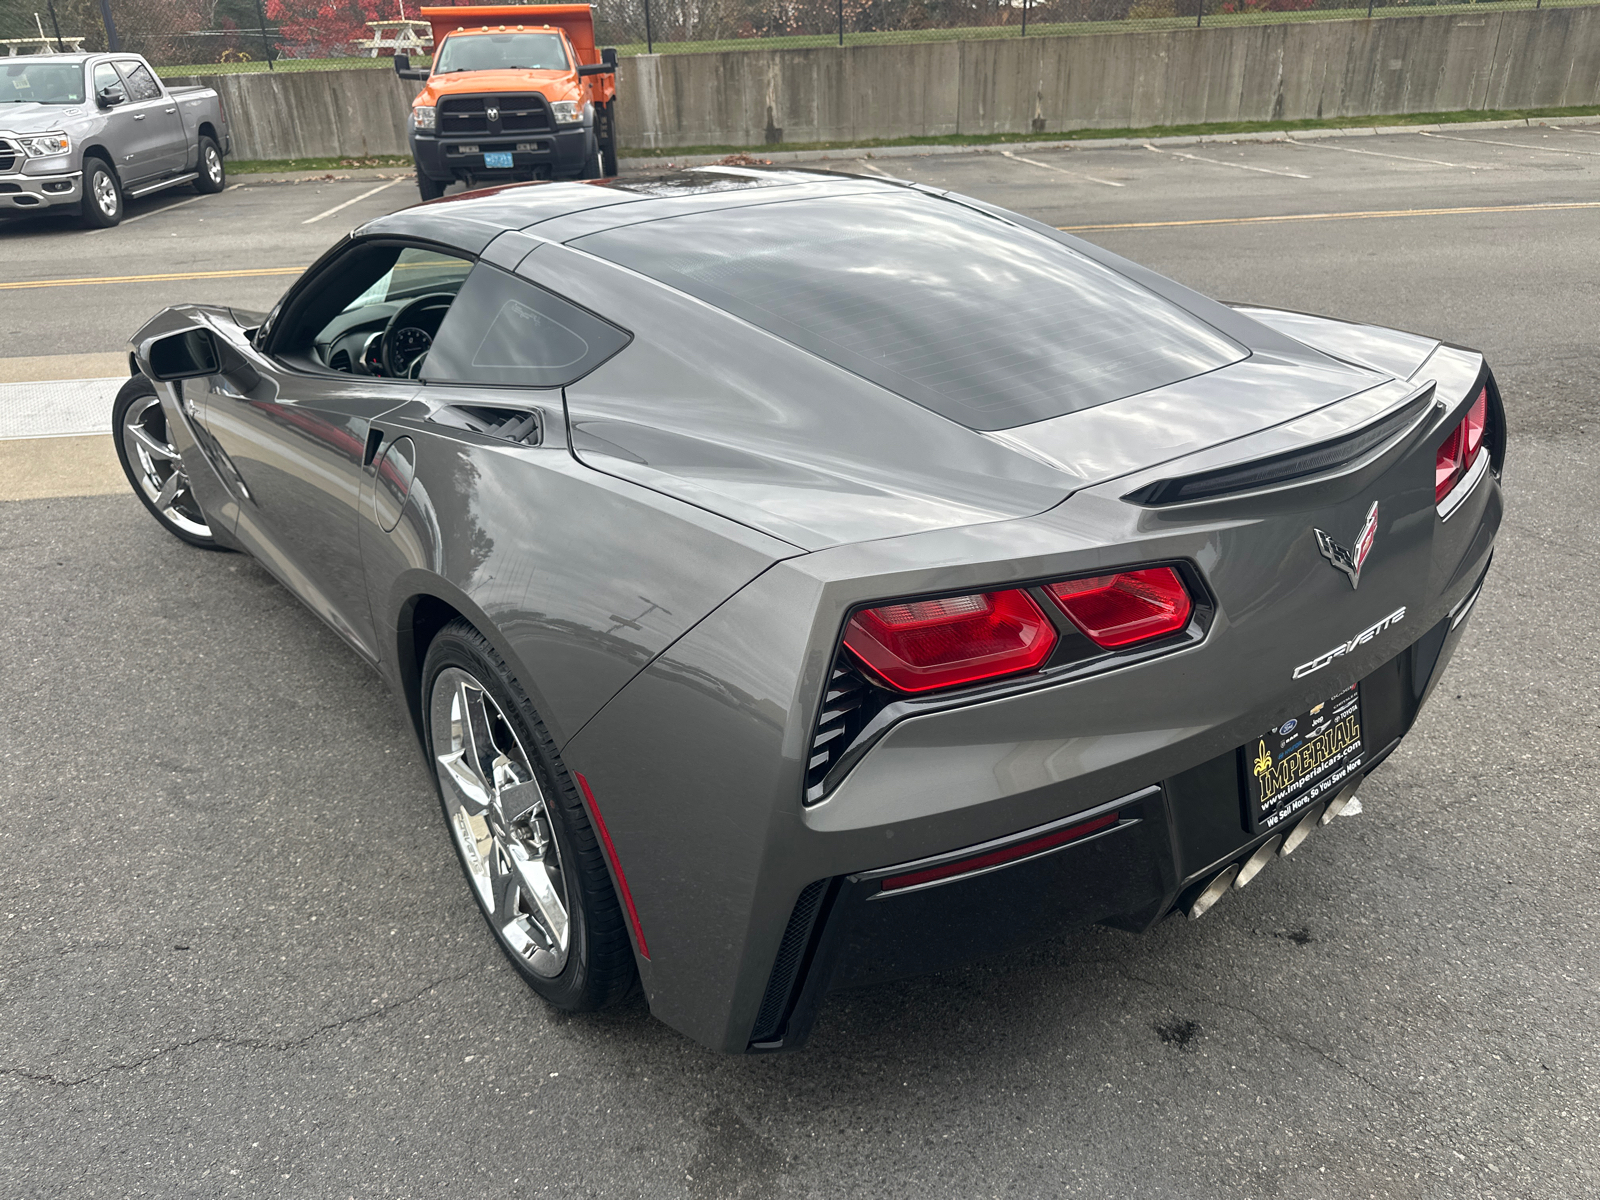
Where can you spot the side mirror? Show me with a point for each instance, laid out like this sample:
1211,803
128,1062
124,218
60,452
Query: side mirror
109,97
609,57
404,69
191,354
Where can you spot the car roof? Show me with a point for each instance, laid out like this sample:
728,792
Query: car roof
563,211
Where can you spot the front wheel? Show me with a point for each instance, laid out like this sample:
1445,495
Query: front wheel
592,168
429,187
102,195
213,175
525,844
153,465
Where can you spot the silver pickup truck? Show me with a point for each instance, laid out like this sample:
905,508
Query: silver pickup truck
81,133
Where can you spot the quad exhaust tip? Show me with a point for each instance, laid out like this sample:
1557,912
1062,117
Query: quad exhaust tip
1214,891
1253,864
1238,875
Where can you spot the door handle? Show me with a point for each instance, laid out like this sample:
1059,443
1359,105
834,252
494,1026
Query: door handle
172,110
138,116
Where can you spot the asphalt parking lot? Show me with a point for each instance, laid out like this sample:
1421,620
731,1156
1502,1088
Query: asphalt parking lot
236,955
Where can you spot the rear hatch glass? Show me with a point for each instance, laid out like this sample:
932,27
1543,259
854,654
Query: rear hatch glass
982,322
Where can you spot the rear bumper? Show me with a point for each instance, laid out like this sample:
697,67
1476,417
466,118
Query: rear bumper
1162,844
34,193
557,155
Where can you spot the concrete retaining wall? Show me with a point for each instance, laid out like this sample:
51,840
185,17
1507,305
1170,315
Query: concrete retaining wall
1500,60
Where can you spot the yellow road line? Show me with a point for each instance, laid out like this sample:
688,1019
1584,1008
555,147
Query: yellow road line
176,275
1339,216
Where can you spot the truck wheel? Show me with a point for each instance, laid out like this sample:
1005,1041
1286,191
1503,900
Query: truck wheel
608,139
102,195
213,175
429,187
591,160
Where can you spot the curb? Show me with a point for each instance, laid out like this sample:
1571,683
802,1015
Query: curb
262,178
631,165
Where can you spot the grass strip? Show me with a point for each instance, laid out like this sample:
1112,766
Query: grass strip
262,166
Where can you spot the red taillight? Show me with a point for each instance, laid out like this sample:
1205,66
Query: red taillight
1460,449
919,645
999,858
1132,606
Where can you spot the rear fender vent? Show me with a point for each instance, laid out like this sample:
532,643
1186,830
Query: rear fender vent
509,424
1286,468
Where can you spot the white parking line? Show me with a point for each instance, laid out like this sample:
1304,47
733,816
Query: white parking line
1033,162
1514,145
1217,162
156,212
866,166
354,200
1437,162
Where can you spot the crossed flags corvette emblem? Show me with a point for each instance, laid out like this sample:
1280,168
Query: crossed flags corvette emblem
1349,561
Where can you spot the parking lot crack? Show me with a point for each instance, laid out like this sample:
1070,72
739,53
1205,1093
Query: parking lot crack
1271,1028
243,1043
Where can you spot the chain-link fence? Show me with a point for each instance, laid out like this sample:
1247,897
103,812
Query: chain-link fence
185,37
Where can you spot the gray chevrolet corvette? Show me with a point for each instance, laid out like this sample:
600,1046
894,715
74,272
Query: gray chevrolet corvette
798,580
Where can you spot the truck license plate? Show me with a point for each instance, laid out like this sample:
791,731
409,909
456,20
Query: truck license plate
500,159
1302,760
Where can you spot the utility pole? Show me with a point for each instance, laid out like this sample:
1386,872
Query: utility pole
649,37
112,44
266,46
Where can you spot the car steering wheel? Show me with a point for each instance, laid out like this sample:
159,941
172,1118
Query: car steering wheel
404,344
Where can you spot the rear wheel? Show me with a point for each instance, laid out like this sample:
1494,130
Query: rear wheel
102,195
429,187
519,827
213,175
153,465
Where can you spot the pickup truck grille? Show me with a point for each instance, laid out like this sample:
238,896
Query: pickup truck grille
468,116
8,156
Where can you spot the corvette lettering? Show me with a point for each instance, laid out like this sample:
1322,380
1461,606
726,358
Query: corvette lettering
1361,639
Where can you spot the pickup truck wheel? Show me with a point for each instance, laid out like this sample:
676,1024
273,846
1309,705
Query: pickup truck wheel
102,195
213,175
430,188
591,160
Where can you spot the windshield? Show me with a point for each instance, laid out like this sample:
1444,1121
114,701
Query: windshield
41,83
501,52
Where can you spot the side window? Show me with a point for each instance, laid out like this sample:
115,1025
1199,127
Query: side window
106,79
505,331
141,84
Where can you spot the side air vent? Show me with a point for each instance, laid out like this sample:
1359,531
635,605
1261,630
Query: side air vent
775,1002
510,424
1285,468
340,361
846,707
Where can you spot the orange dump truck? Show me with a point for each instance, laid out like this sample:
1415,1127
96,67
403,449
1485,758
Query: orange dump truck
516,92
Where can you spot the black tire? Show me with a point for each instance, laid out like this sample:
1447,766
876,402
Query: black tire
102,205
608,139
599,969
591,160
147,472
213,171
430,188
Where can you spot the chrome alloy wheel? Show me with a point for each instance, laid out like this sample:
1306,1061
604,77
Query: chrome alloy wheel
158,468
213,165
499,820
105,194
